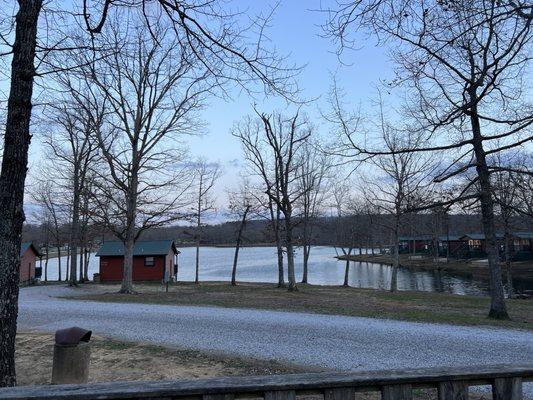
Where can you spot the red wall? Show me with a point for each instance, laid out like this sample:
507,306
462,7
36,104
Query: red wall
27,265
111,269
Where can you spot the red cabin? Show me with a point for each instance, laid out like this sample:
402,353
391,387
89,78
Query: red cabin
28,257
153,260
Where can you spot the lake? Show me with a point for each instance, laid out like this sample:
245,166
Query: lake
258,264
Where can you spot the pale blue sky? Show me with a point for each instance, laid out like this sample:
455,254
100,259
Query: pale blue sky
294,31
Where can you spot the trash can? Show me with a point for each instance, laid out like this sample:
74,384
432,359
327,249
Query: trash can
72,352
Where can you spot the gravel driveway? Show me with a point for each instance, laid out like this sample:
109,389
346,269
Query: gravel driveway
336,342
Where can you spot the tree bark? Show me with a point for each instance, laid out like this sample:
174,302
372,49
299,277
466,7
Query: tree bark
290,254
12,178
498,310
129,238
75,229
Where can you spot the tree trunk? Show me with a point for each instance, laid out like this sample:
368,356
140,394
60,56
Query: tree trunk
129,237
237,247
46,264
306,249
347,267
81,265
59,263
510,289
67,270
86,265
275,218
290,255
74,229
127,278
498,309
395,257
197,269
12,177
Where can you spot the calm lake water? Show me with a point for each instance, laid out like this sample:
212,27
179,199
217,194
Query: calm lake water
258,264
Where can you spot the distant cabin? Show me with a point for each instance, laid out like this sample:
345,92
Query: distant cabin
28,258
152,260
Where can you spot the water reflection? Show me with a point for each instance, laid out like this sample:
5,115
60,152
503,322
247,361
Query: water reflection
258,264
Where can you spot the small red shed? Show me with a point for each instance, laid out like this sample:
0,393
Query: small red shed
151,260
28,257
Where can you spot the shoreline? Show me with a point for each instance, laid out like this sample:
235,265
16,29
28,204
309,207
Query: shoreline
475,269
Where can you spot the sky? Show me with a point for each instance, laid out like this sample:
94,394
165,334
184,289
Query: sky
294,31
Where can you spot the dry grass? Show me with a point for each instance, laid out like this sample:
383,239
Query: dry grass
412,306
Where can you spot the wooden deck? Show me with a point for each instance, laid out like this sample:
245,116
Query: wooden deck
451,383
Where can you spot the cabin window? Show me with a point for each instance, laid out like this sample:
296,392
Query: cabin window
149,261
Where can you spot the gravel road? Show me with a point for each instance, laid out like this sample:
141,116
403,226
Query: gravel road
334,342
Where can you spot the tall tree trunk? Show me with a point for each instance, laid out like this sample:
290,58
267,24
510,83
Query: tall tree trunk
59,263
67,270
395,256
290,254
129,238
46,264
75,229
81,265
86,265
347,267
275,218
510,289
237,247
305,249
12,177
197,269
498,310
127,278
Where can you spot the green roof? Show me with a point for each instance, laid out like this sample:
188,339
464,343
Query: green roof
25,245
141,248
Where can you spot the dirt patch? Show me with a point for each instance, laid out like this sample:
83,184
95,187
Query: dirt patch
113,360
403,305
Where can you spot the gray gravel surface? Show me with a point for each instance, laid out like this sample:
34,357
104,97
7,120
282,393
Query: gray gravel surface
334,342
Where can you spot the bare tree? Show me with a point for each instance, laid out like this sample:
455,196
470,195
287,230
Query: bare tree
314,167
344,226
507,199
153,91
75,119
273,146
242,204
401,183
205,177
47,196
465,64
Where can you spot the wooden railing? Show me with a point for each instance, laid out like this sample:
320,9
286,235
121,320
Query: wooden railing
451,383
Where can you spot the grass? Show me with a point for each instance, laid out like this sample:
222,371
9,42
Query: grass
404,305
